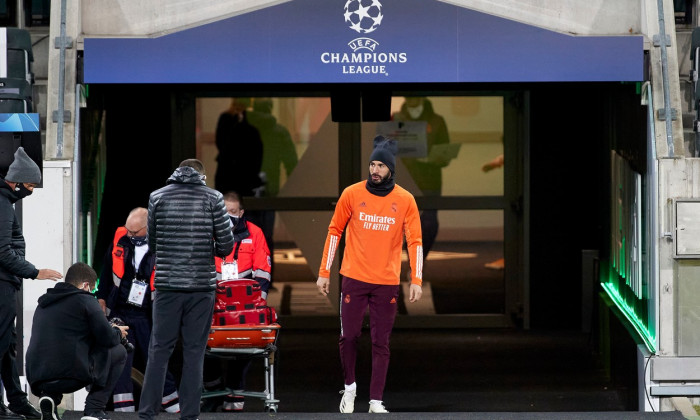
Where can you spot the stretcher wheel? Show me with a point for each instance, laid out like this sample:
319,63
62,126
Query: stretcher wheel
271,408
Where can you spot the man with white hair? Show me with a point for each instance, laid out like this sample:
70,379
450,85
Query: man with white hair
124,292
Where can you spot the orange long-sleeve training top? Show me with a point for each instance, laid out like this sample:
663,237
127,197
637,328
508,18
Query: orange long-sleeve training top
374,236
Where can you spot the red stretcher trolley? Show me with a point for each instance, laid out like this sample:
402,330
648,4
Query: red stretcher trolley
243,326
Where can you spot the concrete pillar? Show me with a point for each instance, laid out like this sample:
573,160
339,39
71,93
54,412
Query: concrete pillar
62,148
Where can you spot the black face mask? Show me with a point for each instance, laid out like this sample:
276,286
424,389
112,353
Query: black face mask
240,228
21,191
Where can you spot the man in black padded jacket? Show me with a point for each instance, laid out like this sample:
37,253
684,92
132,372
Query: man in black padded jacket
187,226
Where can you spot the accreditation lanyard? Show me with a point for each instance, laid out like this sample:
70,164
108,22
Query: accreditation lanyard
229,271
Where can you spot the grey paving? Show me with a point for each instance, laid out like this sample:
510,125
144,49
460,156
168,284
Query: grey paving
430,416
446,374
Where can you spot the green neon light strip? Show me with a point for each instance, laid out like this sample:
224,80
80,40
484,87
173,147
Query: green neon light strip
628,311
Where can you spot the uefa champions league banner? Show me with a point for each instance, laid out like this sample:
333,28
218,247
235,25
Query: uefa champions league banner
363,41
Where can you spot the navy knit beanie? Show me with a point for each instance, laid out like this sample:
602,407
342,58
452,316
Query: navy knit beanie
385,151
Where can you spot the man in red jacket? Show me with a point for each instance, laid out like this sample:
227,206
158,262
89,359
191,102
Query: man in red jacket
250,259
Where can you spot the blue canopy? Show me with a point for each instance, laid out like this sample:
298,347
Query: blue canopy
364,41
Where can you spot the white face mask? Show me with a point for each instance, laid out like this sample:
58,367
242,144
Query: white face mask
415,111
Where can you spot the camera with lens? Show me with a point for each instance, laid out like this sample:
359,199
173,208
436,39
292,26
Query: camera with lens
117,322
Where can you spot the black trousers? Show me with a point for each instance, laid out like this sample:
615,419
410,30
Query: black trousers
175,314
98,395
8,345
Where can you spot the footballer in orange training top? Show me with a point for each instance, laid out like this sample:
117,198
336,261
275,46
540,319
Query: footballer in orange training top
378,214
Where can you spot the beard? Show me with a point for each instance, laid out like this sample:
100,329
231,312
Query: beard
377,179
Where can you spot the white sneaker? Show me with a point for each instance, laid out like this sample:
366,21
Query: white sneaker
48,409
347,403
377,407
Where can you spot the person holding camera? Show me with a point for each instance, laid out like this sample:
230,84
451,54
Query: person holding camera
124,292
73,346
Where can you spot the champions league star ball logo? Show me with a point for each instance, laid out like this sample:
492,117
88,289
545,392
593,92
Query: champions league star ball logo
363,16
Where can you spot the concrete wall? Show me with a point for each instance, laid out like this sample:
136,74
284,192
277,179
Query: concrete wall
113,18
678,179
595,17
